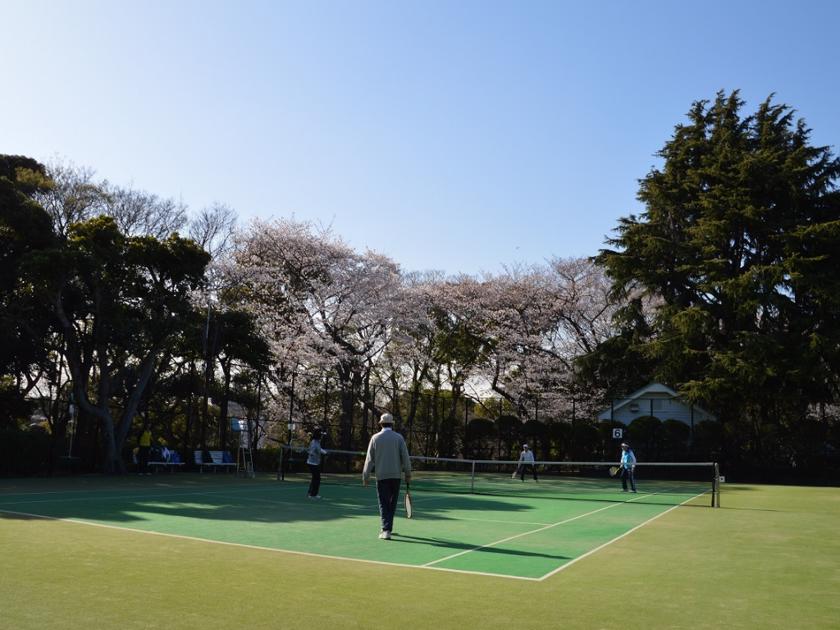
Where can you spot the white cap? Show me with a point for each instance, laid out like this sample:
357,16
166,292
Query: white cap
386,418
524,446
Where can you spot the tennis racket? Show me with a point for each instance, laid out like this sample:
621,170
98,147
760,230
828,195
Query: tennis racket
614,470
408,507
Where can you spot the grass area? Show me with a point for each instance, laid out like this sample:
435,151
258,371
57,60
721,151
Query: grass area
769,557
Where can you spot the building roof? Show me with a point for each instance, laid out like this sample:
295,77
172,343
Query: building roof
645,392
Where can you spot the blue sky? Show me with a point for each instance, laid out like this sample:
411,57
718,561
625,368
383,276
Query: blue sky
459,136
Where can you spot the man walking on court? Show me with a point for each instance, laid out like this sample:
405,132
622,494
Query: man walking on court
628,466
387,456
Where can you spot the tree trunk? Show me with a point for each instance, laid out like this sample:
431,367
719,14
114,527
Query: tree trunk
147,370
348,380
223,411
366,412
112,462
346,428
187,443
205,408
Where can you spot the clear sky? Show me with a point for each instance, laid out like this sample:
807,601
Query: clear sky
454,135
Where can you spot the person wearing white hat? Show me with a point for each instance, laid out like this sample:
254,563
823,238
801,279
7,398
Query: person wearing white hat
526,458
313,460
628,466
387,457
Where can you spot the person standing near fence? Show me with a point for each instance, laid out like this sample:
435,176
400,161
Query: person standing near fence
145,445
387,457
526,458
313,460
628,467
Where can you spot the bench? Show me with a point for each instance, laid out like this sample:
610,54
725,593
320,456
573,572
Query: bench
220,459
170,464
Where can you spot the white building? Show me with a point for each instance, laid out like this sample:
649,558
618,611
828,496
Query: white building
657,400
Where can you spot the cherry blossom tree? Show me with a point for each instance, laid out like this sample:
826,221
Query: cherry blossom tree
334,315
542,320
322,306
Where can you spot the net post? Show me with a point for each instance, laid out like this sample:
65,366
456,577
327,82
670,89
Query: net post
472,478
716,488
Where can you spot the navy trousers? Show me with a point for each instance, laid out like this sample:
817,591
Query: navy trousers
315,482
523,467
627,473
143,458
388,491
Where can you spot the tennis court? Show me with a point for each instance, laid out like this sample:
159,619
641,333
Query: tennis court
522,530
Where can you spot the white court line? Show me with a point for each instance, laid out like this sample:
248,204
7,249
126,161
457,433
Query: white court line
288,551
534,531
487,520
609,542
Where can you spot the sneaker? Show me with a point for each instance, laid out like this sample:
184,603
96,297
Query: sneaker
383,535
634,492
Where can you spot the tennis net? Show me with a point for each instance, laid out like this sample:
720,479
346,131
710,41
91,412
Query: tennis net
659,482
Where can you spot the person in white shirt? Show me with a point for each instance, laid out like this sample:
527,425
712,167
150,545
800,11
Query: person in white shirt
628,467
526,458
387,456
313,460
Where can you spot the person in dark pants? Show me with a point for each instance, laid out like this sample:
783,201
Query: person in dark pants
387,455
144,445
628,467
526,459
313,460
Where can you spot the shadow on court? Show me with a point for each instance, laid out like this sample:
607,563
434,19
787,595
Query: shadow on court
234,500
461,546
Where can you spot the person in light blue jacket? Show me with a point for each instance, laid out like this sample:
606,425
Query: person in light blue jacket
628,467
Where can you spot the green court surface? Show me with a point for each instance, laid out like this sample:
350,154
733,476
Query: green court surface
522,530
216,551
